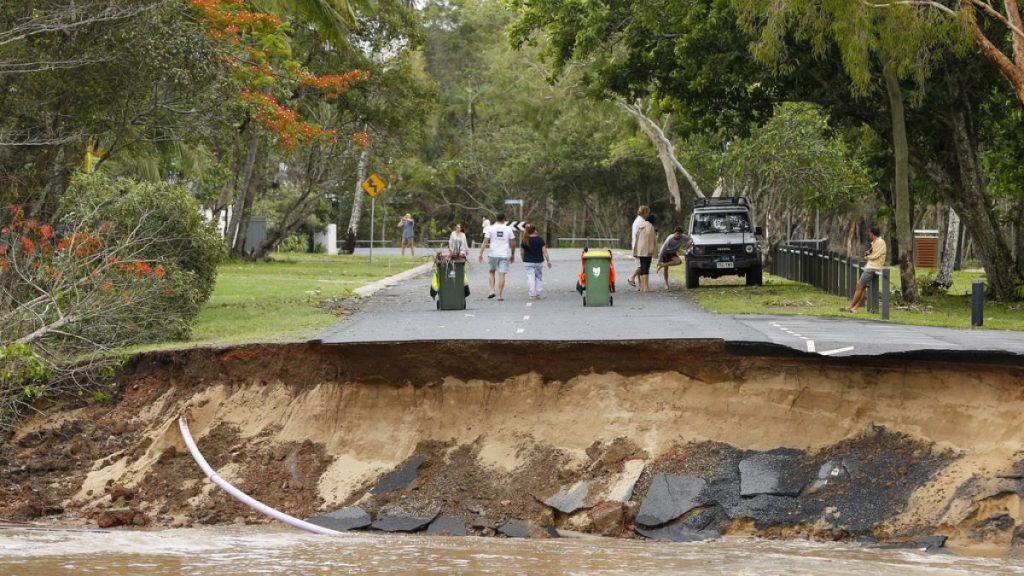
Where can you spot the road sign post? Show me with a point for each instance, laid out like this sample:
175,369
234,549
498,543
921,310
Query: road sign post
373,186
373,205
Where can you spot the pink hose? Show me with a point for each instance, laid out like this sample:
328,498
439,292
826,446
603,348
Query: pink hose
242,496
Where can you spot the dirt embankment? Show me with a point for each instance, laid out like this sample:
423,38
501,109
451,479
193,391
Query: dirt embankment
587,437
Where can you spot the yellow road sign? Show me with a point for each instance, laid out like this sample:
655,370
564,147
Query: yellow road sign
374,185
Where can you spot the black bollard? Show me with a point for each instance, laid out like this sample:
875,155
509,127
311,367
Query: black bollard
978,303
885,294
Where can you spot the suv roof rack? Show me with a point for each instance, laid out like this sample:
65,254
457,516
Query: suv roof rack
721,201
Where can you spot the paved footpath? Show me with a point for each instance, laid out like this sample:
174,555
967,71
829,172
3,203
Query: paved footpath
407,312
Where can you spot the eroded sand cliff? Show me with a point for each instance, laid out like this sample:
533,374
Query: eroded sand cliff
563,435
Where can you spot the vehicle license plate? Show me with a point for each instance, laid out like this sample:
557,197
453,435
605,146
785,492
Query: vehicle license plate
724,264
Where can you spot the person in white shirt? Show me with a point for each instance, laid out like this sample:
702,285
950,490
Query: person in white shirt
641,216
457,243
500,238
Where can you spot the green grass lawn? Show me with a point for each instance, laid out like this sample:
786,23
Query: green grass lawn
780,296
283,299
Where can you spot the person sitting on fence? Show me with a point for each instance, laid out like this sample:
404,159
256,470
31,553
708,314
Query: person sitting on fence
875,257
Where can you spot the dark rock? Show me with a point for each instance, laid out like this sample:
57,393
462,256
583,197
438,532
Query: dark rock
394,518
703,519
517,529
569,498
1018,538
927,543
447,526
993,525
608,518
771,473
678,533
669,497
399,478
344,519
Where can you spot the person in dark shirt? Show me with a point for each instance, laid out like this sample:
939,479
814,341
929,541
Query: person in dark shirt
534,252
668,256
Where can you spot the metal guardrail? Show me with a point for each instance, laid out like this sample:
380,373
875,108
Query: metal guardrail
830,272
588,241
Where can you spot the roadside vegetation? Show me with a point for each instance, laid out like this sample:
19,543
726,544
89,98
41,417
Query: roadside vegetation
288,297
950,309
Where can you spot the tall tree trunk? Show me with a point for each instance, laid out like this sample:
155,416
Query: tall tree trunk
1018,238
357,202
944,278
249,195
667,154
901,152
231,234
974,207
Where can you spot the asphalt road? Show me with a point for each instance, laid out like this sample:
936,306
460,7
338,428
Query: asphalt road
407,312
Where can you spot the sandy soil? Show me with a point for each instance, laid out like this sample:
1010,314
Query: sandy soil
308,429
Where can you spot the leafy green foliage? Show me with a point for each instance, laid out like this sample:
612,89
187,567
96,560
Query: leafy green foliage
179,238
796,158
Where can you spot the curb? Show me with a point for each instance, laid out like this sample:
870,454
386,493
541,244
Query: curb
374,287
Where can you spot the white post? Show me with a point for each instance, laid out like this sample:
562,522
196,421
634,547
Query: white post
373,206
332,239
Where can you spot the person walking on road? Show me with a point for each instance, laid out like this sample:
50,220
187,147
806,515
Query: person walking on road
641,216
534,252
407,224
457,243
644,250
875,257
668,256
500,238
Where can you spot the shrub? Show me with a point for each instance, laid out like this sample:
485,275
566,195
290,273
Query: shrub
175,233
294,243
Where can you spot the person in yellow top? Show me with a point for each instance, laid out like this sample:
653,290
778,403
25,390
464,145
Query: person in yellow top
875,261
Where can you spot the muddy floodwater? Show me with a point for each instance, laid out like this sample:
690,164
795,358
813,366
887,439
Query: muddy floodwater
247,550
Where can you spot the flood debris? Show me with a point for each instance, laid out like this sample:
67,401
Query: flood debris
401,518
400,478
447,526
348,518
669,497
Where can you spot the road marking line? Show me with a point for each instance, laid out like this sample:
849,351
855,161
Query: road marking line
836,351
810,345
795,334
526,317
521,330
528,304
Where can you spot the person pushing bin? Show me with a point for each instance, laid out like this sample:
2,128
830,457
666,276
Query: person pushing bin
450,286
597,278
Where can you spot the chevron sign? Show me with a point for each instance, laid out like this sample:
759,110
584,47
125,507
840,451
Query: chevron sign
517,225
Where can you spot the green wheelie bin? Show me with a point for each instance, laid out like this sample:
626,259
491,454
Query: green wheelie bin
450,282
597,266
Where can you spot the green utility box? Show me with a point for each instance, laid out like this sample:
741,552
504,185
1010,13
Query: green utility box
450,282
597,267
